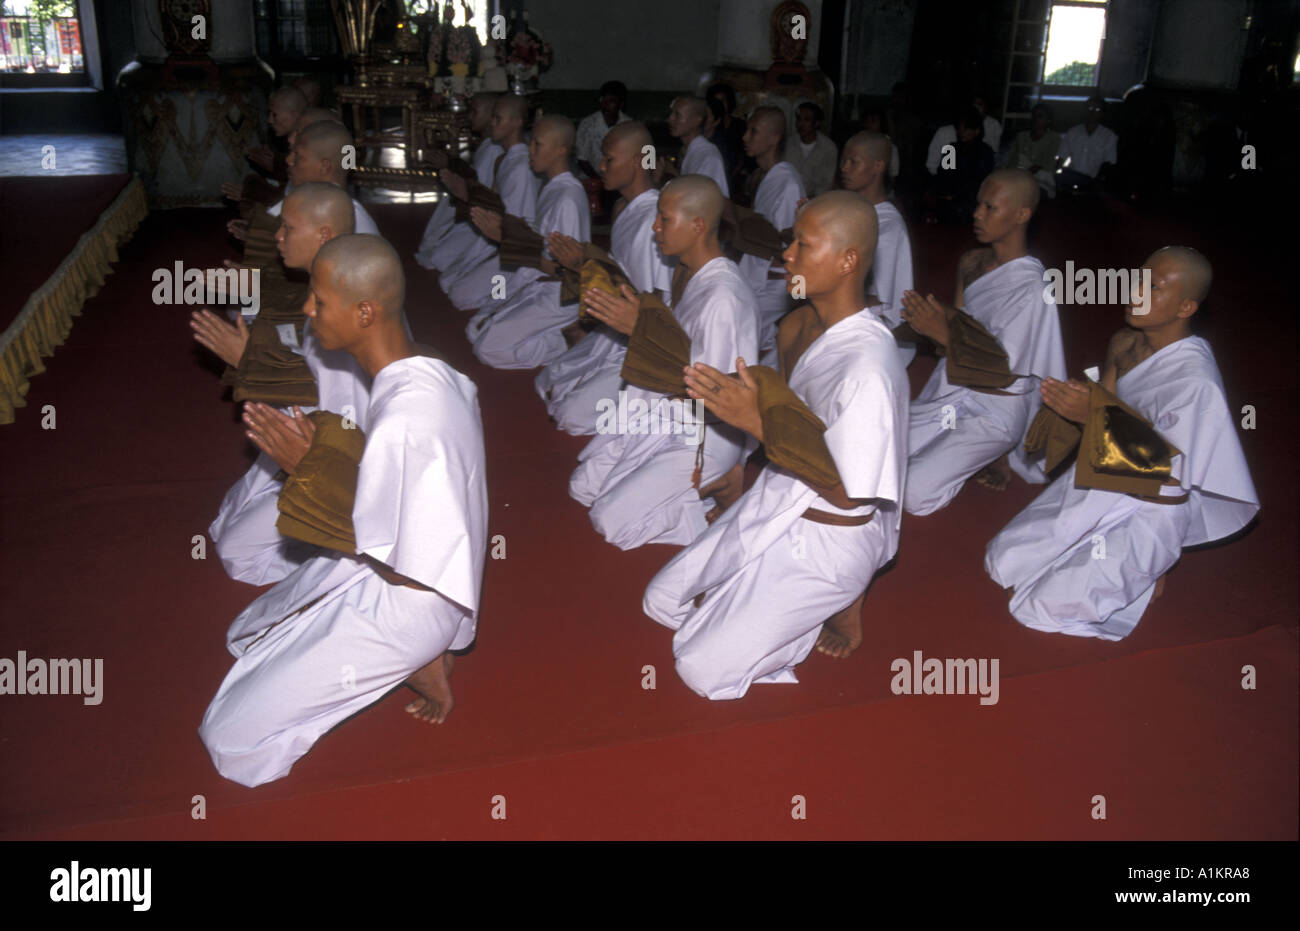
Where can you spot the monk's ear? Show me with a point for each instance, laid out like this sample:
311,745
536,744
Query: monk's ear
850,259
1187,308
367,313
1023,214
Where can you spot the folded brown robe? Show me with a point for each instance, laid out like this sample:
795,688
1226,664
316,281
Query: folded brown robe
793,436
1119,449
270,371
479,196
657,350
520,245
458,166
259,192
316,500
1054,435
750,233
260,250
975,358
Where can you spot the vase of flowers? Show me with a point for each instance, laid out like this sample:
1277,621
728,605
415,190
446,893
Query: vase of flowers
524,55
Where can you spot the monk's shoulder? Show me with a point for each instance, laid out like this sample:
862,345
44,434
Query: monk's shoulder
975,263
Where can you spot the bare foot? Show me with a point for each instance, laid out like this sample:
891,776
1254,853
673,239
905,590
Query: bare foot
996,475
432,685
842,632
1160,587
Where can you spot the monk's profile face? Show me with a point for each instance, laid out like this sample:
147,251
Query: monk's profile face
1166,302
681,120
504,121
619,163
331,315
545,151
811,256
281,119
673,227
761,137
303,166
297,240
856,170
997,212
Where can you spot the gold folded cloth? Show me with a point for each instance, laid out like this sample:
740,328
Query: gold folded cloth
657,350
749,232
520,245
1120,450
793,436
975,358
599,271
316,501
479,196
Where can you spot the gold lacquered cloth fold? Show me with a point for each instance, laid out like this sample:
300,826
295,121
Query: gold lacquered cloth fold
601,272
793,436
260,250
1120,450
316,501
657,350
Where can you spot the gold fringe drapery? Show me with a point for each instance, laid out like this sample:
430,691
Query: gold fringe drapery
46,319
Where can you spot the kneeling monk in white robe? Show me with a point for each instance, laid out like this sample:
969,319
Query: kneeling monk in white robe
864,169
468,283
643,482
244,534
526,329
398,587
1086,557
591,369
446,239
775,200
971,413
748,598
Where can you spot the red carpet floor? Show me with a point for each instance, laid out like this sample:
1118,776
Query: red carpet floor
97,516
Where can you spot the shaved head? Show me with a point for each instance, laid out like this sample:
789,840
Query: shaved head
696,196
559,129
512,105
324,141
310,88
312,115
290,98
696,106
364,268
323,204
771,117
875,147
848,218
1019,185
632,134
1194,271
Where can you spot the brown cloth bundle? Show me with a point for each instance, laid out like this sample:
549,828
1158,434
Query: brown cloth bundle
793,436
520,245
657,350
258,192
750,233
479,196
975,358
260,250
1119,449
270,371
316,500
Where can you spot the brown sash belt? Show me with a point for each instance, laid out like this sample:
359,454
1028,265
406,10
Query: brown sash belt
837,520
1162,499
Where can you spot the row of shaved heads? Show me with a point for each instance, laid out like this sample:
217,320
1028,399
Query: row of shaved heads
364,267
323,204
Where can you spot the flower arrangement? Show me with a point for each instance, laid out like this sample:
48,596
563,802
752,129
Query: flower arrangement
463,46
524,51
